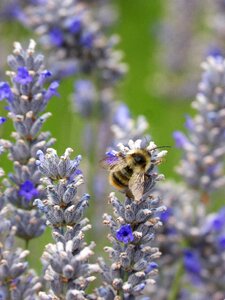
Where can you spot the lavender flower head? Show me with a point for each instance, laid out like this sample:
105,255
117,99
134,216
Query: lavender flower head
203,146
76,38
85,98
124,126
198,260
180,223
204,258
66,266
26,98
17,280
132,232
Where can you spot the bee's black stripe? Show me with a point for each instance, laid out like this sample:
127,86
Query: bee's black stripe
120,179
127,171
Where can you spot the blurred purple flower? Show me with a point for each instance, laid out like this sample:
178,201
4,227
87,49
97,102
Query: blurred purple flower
84,97
215,52
165,215
221,242
192,264
217,223
87,39
2,120
124,234
122,115
56,36
180,139
75,25
12,11
189,124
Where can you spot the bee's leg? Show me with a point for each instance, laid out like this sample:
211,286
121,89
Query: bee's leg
129,194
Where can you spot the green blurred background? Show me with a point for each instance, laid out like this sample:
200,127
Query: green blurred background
137,26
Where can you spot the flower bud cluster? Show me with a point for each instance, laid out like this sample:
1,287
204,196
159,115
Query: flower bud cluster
179,52
132,232
124,127
203,146
179,224
11,9
204,257
69,29
26,99
189,32
66,262
90,102
192,243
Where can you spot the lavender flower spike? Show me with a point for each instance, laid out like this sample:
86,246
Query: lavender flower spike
76,39
16,280
124,126
132,232
66,266
26,98
203,146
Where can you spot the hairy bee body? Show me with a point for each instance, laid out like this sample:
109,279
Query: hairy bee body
127,173
120,179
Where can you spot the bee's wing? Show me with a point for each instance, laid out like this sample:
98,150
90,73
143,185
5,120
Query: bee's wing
114,163
137,185
140,184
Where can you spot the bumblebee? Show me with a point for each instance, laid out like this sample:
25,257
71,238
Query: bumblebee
128,172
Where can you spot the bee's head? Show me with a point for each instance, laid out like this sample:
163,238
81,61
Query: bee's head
139,158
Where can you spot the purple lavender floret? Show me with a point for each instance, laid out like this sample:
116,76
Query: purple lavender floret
124,234
111,157
44,76
5,91
51,91
23,77
28,190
